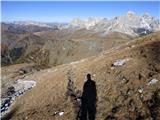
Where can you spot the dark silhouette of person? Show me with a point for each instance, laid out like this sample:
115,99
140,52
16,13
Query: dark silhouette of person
89,95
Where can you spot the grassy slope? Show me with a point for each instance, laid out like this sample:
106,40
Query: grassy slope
56,47
116,97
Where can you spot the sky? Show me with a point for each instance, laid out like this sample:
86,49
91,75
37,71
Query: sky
65,11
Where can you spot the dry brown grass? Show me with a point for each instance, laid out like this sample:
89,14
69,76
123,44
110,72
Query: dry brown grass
117,98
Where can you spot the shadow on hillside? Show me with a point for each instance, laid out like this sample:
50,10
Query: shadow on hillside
9,115
154,105
151,52
88,107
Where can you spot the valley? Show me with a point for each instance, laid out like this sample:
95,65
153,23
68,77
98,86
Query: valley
38,61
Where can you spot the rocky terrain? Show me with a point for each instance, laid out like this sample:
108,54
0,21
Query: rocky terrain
127,80
44,68
60,43
130,23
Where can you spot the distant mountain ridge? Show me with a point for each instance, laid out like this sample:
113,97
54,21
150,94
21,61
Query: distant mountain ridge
60,43
36,23
130,23
21,27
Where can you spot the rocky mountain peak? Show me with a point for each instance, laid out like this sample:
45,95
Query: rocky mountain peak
130,23
130,13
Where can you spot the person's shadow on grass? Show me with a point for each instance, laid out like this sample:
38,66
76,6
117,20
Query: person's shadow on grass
89,96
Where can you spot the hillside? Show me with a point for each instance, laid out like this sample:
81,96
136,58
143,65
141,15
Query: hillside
61,43
127,80
57,47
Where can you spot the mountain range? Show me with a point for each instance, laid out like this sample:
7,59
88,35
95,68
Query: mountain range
24,41
130,23
44,68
